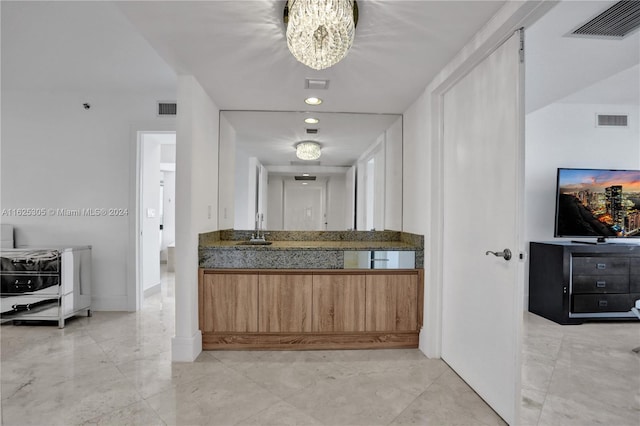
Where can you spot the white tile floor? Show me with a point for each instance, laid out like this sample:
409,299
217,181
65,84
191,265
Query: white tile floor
115,368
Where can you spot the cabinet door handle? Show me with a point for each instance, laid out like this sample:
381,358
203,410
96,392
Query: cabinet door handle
601,284
601,266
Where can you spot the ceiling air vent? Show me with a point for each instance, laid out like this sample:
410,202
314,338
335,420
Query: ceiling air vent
616,22
312,131
305,163
304,177
167,108
609,120
316,84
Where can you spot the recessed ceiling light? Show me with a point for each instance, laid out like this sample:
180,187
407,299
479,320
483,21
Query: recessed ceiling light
311,120
305,174
313,101
305,183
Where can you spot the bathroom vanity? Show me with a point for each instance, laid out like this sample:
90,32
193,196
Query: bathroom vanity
311,290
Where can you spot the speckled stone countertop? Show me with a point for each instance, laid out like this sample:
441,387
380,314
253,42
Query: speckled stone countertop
299,249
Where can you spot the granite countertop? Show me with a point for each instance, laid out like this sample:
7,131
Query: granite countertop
299,249
314,245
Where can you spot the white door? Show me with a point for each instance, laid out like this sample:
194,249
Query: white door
483,189
304,206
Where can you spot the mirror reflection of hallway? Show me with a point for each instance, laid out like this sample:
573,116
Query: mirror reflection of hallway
304,205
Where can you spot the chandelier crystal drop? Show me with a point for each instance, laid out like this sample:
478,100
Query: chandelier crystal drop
320,32
308,150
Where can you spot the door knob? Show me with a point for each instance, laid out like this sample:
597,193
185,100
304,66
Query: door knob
506,253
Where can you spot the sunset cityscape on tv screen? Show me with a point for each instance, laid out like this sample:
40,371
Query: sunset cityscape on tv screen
598,203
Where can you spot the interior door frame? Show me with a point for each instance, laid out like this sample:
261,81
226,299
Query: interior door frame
134,256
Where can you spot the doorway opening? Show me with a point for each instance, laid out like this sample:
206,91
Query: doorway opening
155,213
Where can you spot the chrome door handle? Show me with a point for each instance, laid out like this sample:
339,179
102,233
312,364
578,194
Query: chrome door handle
506,253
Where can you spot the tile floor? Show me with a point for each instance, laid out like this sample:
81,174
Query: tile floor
583,374
115,368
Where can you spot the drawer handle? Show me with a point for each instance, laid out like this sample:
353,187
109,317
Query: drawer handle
602,303
601,284
601,266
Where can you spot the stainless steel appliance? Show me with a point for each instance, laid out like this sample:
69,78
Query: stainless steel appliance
45,284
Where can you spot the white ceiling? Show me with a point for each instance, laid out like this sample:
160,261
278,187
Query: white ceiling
561,68
81,46
237,51
271,136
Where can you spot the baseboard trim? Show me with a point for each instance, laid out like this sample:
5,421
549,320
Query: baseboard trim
186,349
112,303
154,289
305,341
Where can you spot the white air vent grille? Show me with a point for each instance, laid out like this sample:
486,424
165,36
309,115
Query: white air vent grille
316,84
167,108
305,163
617,21
609,120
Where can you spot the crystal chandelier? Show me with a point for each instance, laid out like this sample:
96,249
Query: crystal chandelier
308,150
320,32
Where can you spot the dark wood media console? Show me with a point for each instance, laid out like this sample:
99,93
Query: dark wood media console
570,283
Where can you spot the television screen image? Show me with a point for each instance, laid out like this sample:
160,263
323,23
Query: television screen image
598,203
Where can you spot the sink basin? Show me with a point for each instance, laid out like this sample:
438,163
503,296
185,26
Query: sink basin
254,243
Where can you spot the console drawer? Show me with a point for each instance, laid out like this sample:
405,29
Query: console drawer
634,278
602,303
601,284
600,266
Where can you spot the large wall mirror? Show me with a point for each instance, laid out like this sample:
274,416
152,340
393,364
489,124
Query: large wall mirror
356,183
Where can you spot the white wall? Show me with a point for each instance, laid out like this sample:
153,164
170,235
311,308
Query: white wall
370,184
227,174
241,206
252,194
58,155
336,194
169,208
393,177
350,198
197,206
565,135
275,193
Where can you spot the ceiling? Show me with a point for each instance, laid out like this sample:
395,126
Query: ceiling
271,136
237,51
563,68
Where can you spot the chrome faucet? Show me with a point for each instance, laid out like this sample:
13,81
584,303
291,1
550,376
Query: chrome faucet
257,237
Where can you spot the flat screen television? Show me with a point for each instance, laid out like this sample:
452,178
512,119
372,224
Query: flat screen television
597,203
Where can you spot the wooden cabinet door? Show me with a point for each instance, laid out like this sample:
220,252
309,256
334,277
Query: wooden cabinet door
229,302
284,302
392,302
338,302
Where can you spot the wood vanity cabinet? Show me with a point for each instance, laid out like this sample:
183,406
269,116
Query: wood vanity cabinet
338,302
392,302
284,302
228,302
310,309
